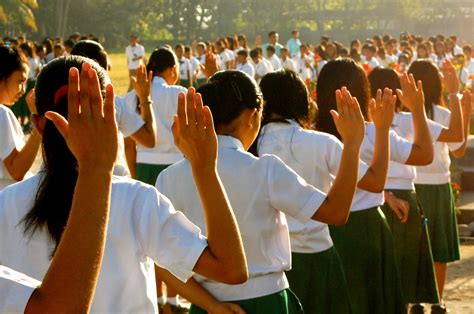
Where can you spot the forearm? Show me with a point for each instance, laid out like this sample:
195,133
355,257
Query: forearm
374,180
223,235
422,150
459,153
148,116
190,290
131,154
335,209
69,284
22,160
455,131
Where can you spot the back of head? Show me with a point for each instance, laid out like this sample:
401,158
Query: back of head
333,76
426,72
12,61
381,78
228,94
286,96
54,196
160,60
92,50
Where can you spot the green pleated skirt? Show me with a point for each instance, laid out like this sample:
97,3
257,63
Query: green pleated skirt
438,205
365,246
413,251
318,281
148,173
283,302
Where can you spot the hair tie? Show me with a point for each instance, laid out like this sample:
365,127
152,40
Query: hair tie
60,93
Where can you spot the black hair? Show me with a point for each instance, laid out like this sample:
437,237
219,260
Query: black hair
12,60
160,60
271,48
92,50
426,72
333,76
272,33
243,53
69,43
228,93
254,53
53,199
381,78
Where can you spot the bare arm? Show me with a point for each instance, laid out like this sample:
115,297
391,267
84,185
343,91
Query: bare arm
19,162
70,282
194,134
467,100
350,124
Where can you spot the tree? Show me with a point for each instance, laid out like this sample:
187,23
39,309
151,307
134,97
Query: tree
18,14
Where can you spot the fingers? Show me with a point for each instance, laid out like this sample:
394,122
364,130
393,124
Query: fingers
400,95
95,95
73,95
182,120
84,91
199,111
335,116
58,120
175,130
109,104
208,119
378,98
190,107
339,100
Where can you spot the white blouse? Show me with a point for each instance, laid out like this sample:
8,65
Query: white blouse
15,290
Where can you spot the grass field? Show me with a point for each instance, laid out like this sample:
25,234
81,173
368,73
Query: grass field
119,72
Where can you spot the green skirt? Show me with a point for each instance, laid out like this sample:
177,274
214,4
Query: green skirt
438,205
184,83
413,251
200,81
148,173
20,108
283,302
365,246
319,282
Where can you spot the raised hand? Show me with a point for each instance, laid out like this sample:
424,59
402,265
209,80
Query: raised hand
142,83
411,94
466,103
348,118
193,131
450,77
90,130
210,66
382,109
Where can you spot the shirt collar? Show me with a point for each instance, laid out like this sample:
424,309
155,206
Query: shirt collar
159,80
226,141
276,126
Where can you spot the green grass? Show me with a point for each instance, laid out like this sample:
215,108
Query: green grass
119,72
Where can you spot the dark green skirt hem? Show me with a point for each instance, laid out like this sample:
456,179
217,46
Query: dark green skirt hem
148,173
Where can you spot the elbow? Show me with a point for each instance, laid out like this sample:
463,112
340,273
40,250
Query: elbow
340,221
149,141
235,276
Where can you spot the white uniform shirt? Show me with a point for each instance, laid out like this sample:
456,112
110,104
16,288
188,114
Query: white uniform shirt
401,176
194,63
373,63
184,69
438,171
15,290
132,53
400,150
143,228
246,68
315,156
202,60
276,62
165,104
261,68
128,122
301,68
289,64
260,190
11,137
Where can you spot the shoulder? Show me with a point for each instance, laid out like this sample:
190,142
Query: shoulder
18,198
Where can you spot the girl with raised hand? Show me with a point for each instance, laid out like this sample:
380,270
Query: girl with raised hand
316,275
16,156
365,243
404,216
93,141
261,191
143,228
432,182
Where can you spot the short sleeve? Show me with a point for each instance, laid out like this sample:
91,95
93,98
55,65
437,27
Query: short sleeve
334,155
15,290
400,148
128,121
11,135
289,192
435,129
166,235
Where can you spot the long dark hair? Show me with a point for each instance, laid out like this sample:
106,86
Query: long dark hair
381,78
160,60
228,93
92,50
334,75
54,196
426,72
12,61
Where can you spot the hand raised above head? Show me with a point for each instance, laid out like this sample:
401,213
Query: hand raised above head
450,77
348,118
193,130
382,108
411,94
466,103
90,130
142,83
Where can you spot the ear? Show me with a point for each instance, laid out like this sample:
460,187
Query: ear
251,116
38,122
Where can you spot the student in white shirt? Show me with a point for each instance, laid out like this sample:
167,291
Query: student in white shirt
316,276
93,141
293,44
369,51
467,50
201,56
185,70
194,63
16,156
272,40
139,126
303,63
135,54
243,64
261,68
143,228
286,62
262,190
433,181
365,243
274,60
